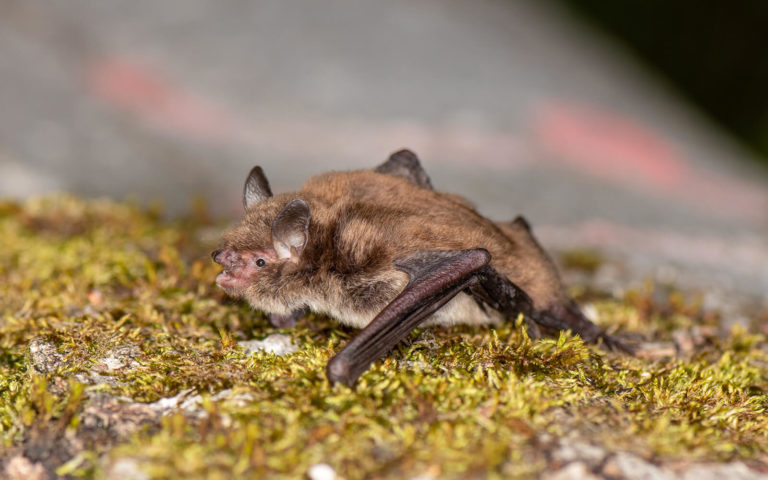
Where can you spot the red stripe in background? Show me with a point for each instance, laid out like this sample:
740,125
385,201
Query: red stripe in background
595,142
141,90
609,146
621,150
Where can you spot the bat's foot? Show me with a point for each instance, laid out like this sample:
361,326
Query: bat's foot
614,344
534,331
287,321
568,316
340,370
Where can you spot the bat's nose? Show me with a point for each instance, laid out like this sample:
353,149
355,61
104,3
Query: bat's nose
226,257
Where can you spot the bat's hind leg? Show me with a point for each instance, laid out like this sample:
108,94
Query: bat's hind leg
501,294
287,321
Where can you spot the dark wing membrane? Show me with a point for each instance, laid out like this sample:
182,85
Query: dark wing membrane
436,277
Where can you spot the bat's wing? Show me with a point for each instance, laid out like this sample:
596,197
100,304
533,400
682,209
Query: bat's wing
436,277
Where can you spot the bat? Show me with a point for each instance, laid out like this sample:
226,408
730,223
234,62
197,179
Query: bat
383,251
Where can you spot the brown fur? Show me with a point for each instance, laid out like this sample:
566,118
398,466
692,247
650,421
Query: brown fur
361,221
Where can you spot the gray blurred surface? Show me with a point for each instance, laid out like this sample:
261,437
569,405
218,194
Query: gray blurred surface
509,103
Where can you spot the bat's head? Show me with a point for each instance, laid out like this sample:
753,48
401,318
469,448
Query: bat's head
266,245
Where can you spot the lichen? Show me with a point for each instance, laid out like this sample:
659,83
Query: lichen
87,280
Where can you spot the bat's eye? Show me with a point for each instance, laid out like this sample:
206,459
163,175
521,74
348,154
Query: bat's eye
261,262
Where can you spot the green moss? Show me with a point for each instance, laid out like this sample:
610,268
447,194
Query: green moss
92,276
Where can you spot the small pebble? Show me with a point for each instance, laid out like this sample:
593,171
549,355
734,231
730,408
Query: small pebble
126,469
590,311
631,467
277,343
572,471
321,471
569,451
20,468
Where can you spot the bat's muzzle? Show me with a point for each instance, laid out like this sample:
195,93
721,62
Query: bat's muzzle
226,257
239,269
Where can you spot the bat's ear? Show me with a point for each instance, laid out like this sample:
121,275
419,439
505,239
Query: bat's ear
290,230
256,188
405,164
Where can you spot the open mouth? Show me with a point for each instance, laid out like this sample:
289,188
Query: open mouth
238,270
228,281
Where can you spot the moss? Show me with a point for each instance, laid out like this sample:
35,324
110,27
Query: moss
90,277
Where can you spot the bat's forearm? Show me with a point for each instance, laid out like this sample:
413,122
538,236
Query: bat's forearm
436,277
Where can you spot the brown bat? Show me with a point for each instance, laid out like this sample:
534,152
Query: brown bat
382,251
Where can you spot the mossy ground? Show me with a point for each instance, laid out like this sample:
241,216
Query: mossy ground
92,276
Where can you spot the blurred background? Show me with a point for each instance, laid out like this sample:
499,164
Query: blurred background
638,128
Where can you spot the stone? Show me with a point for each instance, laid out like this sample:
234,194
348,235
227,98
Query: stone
276,343
572,471
115,417
730,471
20,468
126,469
321,471
572,451
44,357
631,467
119,358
